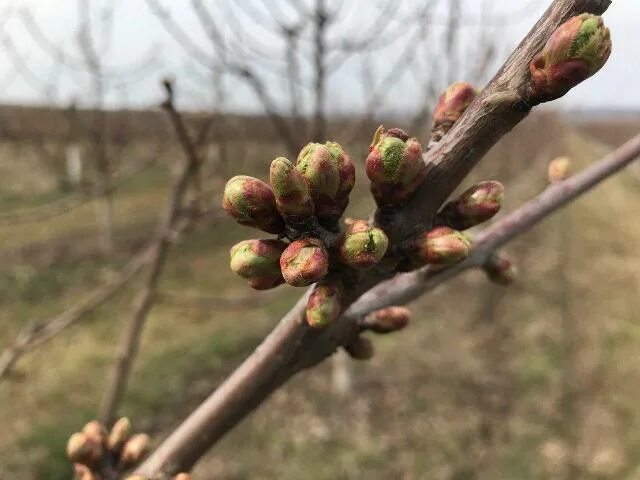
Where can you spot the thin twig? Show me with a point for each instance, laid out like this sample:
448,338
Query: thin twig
147,296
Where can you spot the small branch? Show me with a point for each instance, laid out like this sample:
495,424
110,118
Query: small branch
276,359
501,106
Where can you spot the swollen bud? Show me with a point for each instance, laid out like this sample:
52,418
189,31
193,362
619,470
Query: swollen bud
293,199
394,166
500,270
476,205
441,246
135,448
252,203
259,262
450,107
84,450
330,176
576,50
182,476
95,431
304,262
388,320
119,434
362,246
360,349
324,305
558,169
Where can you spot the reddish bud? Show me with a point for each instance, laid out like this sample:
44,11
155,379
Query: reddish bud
84,450
304,262
252,203
82,472
476,205
362,246
330,176
394,166
324,305
259,262
450,107
119,434
95,431
388,320
500,270
291,191
134,449
182,476
576,50
441,246
360,349
558,169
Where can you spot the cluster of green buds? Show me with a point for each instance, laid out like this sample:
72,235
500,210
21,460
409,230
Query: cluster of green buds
576,50
395,167
303,206
451,105
94,449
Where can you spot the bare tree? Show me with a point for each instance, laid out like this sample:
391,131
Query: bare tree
91,45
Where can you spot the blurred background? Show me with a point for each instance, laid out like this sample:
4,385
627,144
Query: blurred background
538,380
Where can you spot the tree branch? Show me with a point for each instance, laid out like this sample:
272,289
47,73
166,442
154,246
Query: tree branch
293,345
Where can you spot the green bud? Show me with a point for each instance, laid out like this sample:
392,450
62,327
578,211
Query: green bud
441,246
252,203
291,191
362,246
330,176
576,50
360,349
450,107
259,262
304,262
324,304
476,205
388,320
394,166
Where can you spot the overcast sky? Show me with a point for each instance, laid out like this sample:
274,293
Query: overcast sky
138,35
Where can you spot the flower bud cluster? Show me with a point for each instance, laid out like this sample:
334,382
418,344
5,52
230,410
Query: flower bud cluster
303,202
93,448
